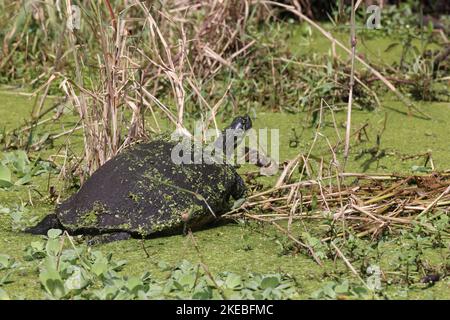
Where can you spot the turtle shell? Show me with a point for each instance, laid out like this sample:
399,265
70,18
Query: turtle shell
143,191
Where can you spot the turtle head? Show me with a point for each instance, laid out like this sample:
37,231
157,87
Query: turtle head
232,135
240,123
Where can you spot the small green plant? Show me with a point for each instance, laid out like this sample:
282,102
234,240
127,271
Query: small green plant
35,251
420,169
80,273
441,225
410,257
320,249
365,252
6,262
8,265
20,217
341,290
16,164
190,281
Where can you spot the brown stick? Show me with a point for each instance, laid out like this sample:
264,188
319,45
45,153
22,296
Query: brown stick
111,12
431,205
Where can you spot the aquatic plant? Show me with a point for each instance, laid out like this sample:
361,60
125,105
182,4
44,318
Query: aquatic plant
78,272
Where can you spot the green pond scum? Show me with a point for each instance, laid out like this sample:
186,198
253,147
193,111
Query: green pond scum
246,247
249,259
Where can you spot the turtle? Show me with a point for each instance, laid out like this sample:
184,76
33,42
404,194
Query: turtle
142,192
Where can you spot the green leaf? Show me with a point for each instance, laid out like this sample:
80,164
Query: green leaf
204,294
187,279
420,169
5,184
118,266
164,266
24,180
269,282
342,288
177,285
233,281
5,177
51,279
5,261
44,138
54,233
100,267
134,284
6,278
52,247
36,250
55,287
38,245
328,290
360,291
21,162
16,216
77,281
5,173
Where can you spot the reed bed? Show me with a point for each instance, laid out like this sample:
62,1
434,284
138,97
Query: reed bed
364,205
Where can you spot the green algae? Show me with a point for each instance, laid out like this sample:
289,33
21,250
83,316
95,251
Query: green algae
404,135
90,218
248,248
242,249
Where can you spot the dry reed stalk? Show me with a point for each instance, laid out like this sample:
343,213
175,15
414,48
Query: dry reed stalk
122,86
432,204
352,81
219,38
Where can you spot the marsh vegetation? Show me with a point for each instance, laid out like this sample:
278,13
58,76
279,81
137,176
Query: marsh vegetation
359,206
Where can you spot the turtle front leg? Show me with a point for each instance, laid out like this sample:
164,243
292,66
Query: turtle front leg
49,222
239,190
108,237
